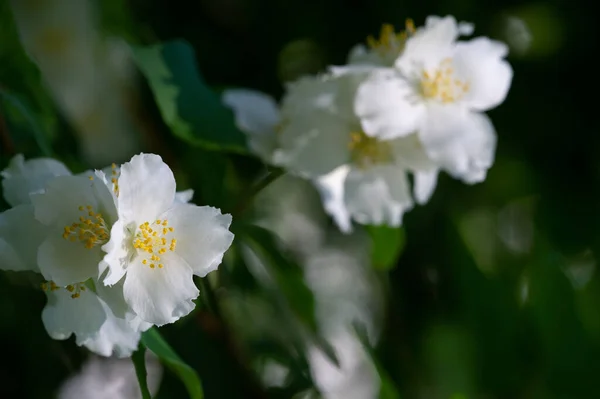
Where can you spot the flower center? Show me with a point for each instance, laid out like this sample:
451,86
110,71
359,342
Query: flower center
75,289
91,229
390,42
367,151
153,240
440,83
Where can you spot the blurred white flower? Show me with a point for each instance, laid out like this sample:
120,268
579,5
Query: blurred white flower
21,178
359,177
384,50
20,236
257,115
158,244
439,88
102,378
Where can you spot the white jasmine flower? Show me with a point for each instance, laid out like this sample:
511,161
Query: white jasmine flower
257,115
159,244
359,177
79,213
22,178
439,88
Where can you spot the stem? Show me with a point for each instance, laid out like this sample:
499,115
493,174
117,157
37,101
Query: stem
249,195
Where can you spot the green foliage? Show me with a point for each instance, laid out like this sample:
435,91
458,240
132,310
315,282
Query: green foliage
139,362
153,341
387,244
188,106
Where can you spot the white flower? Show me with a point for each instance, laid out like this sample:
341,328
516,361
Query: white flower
359,177
22,178
158,244
257,115
439,88
101,378
79,213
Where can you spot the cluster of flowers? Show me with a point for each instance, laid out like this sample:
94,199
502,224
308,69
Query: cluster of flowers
117,248
410,103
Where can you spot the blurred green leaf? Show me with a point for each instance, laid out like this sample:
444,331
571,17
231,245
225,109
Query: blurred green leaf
387,244
21,107
188,106
154,341
139,362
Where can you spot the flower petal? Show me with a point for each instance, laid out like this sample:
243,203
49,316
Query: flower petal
480,61
257,115
117,253
22,178
146,188
64,315
59,204
331,189
425,182
461,142
314,145
114,338
202,236
428,46
20,236
66,262
185,196
378,196
160,296
383,104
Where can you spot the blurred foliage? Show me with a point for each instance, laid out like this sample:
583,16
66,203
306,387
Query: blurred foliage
493,294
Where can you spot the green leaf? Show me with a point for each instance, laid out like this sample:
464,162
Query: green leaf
154,341
387,244
139,362
193,111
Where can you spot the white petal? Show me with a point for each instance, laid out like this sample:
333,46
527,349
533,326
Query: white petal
118,253
113,297
257,115
463,143
22,178
185,196
481,62
64,315
20,236
385,107
146,188
66,262
160,296
114,338
409,153
202,236
331,189
428,46
378,196
307,94
314,145
425,182
59,204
